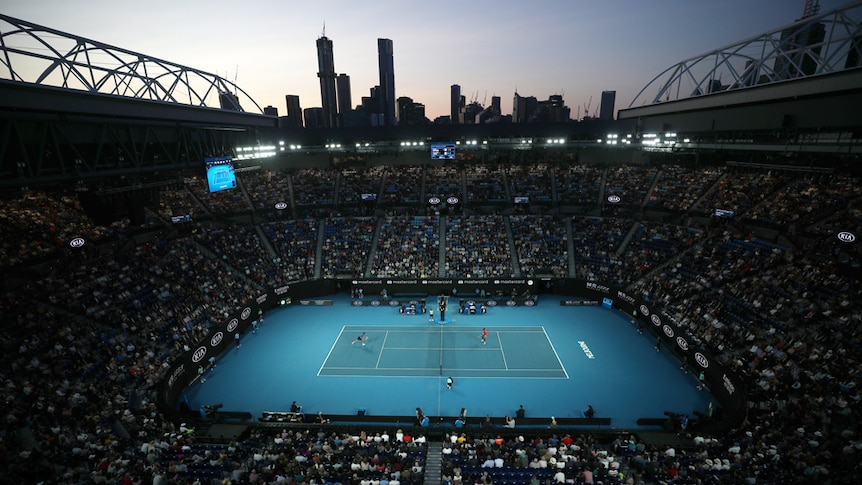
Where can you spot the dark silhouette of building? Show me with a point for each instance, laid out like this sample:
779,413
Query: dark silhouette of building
314,118
345,102
229,101
456,102
371,106
411,113
523,108
294,112
606,110
386,66
492,113
326,73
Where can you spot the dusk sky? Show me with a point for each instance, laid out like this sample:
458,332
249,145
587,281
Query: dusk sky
576,48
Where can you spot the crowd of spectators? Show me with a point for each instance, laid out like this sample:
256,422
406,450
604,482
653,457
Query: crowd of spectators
346,246
295,245
37,224
408,247
531,180
631,183
402,185
578,185
353,183
314,186
267,188
739,190
542,244
86,344
485,185
477,247
444,181
596,241
679,188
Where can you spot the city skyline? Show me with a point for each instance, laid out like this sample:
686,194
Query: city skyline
574,49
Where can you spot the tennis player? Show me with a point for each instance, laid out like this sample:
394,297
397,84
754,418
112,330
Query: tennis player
484,336
361,338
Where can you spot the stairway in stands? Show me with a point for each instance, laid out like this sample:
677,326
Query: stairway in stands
434,463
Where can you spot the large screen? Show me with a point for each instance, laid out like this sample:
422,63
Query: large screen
443,150
220,174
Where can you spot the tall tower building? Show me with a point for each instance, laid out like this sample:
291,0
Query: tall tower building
345,102
606,112
455,103
386,65
326,73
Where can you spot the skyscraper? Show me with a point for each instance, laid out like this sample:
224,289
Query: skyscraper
455,103
345,102
606,112
294,111
326,73
386,65
523,108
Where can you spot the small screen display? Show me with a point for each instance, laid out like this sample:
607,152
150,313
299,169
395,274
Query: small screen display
220,174
443,151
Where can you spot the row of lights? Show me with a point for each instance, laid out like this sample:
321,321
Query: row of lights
651,139
248,153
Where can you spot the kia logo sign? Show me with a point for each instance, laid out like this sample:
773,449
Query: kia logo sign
529,303
199,354
434,200
511,303
668,331
655,320
357,303
644,310
216,339
232,325
701,360
614,199
281,205
452,200
245,313
375,303
681,342
492,302
843,236
76,242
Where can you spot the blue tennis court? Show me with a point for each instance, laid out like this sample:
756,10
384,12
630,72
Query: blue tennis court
552,359
401,351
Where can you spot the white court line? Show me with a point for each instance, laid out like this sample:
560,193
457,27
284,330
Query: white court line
555,353
444,348
413,329
483,369
382,346
505,364
330,350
